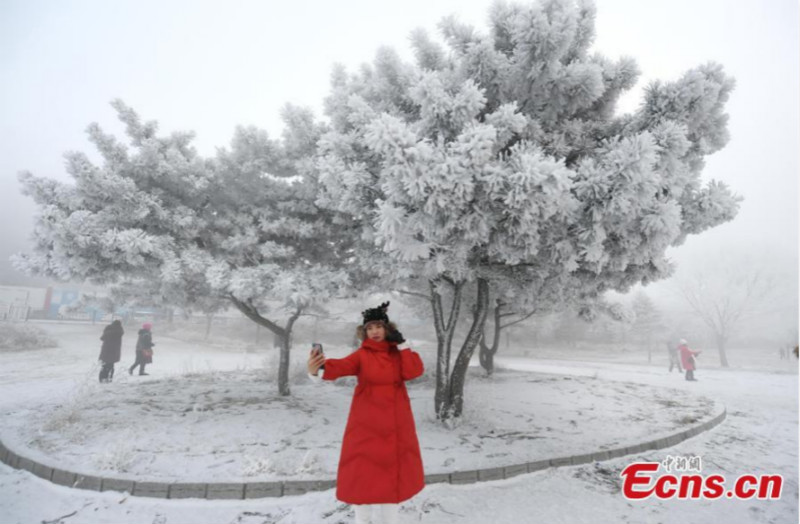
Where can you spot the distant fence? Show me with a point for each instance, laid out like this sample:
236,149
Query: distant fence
14,312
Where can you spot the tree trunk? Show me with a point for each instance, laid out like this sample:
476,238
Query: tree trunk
723,358
283,365
283,334
209,321
444,340
453,406
486,354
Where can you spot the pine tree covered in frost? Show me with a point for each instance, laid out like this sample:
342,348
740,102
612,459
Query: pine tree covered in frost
499,156
647,322
241,227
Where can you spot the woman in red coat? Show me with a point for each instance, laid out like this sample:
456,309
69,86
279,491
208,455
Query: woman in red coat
380,464
687,359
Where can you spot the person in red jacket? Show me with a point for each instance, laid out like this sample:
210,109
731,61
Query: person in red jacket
687,358
380,464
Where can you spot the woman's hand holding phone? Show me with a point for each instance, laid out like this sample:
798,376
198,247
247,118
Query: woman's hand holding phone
315,359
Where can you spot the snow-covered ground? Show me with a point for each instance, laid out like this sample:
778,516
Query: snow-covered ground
607,402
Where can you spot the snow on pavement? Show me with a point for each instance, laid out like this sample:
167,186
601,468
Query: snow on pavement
759,436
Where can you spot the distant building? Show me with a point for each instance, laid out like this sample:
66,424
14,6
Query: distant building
18,302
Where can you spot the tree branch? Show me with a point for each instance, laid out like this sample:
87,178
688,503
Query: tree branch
252,313
519,320
413,294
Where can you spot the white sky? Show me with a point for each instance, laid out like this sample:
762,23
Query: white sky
208,66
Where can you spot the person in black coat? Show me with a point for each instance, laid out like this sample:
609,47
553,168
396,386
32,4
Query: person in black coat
111,349
144,349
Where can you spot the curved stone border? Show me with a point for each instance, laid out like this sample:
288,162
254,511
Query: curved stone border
253,490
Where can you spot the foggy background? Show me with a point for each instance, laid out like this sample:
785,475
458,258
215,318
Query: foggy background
210,66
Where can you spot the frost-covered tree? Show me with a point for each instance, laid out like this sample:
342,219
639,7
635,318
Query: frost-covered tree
241,227
125,294
724,297
518,299
503,150
647,322
504,313
515,298
598,323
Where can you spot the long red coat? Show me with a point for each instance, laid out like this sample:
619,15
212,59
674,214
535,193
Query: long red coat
380,461
687,357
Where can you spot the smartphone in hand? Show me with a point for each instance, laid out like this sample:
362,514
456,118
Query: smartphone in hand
318,347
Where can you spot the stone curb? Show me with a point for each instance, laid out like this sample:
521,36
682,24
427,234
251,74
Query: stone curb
252,490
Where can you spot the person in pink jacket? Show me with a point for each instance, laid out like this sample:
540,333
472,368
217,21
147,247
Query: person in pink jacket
687,359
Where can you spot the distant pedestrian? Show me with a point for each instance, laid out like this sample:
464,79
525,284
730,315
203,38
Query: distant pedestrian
110,350
688,359
144,349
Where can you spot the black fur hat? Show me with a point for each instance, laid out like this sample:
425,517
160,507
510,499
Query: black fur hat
378,313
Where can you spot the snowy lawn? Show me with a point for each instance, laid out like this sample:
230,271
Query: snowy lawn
759,437
229,426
